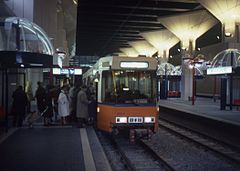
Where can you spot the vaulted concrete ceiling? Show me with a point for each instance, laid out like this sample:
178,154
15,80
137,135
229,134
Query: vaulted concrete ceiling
103,27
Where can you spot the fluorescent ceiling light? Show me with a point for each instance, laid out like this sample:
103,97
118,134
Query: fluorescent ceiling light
228,34
36,65
75,2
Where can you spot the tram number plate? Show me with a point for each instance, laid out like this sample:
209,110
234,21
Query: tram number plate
135,119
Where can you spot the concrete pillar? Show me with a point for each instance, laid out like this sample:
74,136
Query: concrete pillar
165,56
187,74
234,33
233,42
186,83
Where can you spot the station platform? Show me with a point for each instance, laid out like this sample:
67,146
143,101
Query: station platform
60,148
203,107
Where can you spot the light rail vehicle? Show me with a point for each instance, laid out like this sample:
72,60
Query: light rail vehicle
126,94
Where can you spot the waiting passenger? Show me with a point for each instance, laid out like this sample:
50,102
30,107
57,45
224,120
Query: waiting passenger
49,112
90,91
29,94
41,97
63,105
82,107
73,92
19,106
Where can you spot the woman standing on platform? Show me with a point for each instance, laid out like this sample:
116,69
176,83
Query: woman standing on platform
63,105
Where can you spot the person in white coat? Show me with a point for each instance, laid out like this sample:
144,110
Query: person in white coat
63,105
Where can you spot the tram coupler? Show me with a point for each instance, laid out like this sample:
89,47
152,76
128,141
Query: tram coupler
149,134
140,133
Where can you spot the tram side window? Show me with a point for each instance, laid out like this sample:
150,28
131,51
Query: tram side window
107,87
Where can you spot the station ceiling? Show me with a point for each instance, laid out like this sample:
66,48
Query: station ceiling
105,26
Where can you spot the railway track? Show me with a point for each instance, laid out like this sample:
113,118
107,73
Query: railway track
227,151
171,148
133,157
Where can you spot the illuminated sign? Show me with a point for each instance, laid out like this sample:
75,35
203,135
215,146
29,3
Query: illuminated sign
219,70
78,71
67,71
134,64
56,71
64,71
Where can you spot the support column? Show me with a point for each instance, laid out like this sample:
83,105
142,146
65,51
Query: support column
186,77
186,83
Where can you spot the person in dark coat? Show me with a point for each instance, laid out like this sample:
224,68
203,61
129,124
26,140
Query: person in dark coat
41,97
82,107
72,102
19,106
48,101
92,105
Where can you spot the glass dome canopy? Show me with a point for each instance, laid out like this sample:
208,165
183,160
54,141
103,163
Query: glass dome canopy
165,68
177,71
229,57
17,34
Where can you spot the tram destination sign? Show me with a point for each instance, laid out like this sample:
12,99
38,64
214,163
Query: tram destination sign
132,64
219,70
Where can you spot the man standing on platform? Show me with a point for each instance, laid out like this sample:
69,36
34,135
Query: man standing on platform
41,97
19,106
82,106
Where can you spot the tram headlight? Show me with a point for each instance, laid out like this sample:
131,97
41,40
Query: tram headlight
121,119
158,108
149,119
98,109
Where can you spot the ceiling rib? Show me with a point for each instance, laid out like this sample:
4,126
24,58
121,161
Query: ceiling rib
103,28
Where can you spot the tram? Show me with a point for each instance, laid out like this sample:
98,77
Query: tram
126,94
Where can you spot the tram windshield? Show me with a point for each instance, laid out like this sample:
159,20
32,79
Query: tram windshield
128,86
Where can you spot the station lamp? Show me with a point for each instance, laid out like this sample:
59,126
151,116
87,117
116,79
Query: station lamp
227,34
193,63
